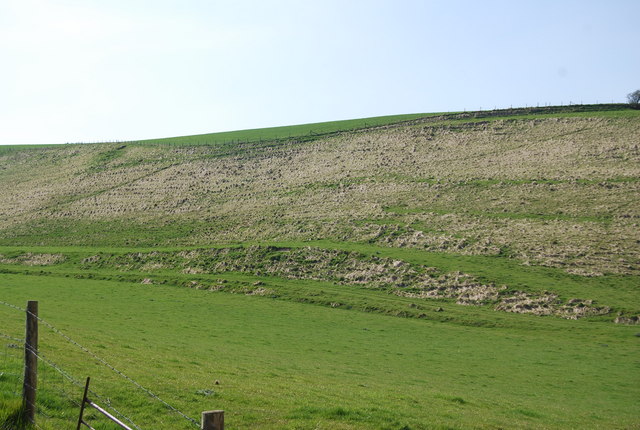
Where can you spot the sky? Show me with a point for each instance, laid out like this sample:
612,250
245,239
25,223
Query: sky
114,70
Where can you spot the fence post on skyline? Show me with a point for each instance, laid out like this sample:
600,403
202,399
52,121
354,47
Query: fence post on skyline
30,362
212,420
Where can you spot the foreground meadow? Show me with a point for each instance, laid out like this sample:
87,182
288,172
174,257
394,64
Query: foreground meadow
280,364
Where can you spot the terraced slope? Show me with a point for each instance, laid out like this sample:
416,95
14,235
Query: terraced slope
496,196
189,252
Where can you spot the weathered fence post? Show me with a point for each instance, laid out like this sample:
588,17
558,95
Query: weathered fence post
30,362
212,420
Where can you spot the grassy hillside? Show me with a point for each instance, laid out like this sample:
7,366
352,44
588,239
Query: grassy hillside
548,189
503,225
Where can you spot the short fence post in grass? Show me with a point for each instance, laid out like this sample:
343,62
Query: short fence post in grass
212,420
30,362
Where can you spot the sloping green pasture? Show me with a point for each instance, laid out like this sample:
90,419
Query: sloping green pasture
290,365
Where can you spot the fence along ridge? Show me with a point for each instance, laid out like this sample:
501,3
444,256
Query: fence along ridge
103,362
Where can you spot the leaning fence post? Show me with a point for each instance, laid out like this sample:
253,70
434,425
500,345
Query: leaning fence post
84,402
30,362
212,420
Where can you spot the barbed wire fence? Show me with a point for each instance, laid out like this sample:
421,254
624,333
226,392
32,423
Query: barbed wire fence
59,390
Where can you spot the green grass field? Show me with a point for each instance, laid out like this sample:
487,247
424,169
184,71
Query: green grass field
332,368
425,271
301,131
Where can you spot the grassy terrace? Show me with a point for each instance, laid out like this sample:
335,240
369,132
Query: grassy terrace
165,266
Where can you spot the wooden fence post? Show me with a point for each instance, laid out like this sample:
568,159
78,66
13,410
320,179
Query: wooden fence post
212,420
30,362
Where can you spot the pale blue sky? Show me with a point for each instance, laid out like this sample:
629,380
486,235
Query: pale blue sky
89,70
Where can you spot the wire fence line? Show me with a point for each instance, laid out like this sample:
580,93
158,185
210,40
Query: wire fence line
99,359
12,306
41,409
12,368
118,372
77,383
15,339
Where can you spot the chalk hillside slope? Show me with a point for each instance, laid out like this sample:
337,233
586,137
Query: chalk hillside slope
549,188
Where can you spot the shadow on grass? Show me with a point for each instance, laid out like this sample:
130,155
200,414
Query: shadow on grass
14,419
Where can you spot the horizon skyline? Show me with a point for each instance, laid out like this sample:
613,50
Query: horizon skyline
621,104
95,72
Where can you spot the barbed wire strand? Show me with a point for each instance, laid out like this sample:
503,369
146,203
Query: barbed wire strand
106,401
40,410
93,393
65,374
12,306
128,378
15,339
70,378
